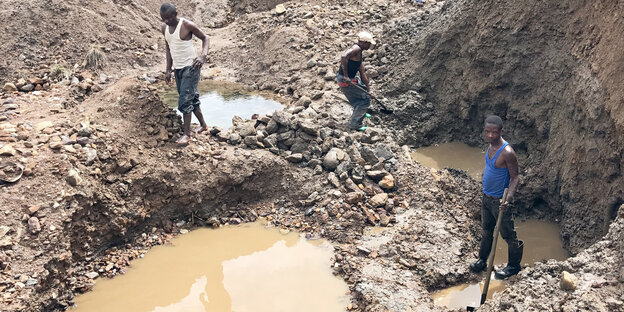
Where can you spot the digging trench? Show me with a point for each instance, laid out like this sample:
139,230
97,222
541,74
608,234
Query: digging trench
531,69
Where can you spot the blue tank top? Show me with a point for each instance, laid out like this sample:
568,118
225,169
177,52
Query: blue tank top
495,180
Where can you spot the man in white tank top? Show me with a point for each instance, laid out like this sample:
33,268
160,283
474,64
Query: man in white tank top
186,66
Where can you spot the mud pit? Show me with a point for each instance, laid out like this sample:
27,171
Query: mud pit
235,268
452,155
103,182
222,101
542,242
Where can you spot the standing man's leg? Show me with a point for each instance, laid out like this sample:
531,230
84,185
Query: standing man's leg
196,103
186,93
515,247
488,222
359,111
360,102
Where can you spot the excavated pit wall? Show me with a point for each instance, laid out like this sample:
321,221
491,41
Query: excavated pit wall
138,189
540,67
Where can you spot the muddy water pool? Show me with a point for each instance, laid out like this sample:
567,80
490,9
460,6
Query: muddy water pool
234,268
452,155
220,101
541,241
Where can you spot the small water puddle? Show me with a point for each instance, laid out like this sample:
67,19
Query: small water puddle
220,101
541,241
452,155
234,268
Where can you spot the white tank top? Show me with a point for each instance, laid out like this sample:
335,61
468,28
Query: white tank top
182,51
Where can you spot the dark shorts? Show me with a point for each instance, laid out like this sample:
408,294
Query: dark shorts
186,81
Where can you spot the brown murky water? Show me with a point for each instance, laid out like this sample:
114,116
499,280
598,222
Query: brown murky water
453,155
221,101
242,268
465,295
541,241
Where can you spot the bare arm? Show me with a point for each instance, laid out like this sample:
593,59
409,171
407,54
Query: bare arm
205,43
168,56
511,162
364,76
344,59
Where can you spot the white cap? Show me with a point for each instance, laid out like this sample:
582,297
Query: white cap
365,36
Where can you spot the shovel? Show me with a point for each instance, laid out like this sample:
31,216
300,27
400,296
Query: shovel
384,109
490,264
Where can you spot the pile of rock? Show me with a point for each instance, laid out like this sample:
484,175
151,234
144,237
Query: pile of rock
32,84
85,84
82,84
358,165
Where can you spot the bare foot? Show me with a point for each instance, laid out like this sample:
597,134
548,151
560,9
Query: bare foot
183,140
201,129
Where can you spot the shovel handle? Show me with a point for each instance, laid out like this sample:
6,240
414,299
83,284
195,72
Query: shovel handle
490,264
375,98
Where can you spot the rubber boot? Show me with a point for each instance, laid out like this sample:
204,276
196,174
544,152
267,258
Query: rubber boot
513,265
478,265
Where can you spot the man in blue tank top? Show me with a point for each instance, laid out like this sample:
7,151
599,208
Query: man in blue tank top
501,171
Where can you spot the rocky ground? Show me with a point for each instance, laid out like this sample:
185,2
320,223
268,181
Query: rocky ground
102,181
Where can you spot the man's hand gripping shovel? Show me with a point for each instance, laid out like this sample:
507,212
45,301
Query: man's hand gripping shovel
384,109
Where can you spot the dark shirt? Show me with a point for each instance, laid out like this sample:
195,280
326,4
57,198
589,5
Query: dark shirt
353,67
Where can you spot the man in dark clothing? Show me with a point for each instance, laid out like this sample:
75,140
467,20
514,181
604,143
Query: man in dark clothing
351,63
501,171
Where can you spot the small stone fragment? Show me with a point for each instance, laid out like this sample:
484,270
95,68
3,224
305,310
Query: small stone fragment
27,87
379,200
33,209
7,150
354,197
363,249
376,174
387,182
568,281
333,180
56,145
92,275
33,225
295,158
73,178
9,87
280,9
384,220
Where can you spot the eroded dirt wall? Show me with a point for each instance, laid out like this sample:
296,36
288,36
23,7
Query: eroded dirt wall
550,70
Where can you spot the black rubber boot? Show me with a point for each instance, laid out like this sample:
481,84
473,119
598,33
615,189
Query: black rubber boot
478,266
513,265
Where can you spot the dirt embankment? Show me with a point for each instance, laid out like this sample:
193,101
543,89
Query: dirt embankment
44,37
549,70
94,180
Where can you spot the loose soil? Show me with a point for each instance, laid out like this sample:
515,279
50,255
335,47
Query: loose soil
103,181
